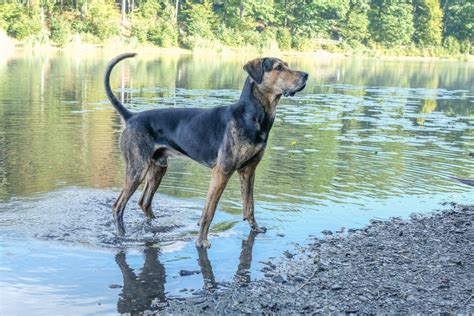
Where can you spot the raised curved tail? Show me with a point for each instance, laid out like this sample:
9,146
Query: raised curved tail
124,113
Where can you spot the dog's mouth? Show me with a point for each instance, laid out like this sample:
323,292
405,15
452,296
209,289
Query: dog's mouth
293,92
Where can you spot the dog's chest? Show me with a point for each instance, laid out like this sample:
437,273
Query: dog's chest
242,143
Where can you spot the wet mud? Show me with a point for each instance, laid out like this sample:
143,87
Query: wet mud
421,265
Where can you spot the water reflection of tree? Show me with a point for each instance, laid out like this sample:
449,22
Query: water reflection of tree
52,133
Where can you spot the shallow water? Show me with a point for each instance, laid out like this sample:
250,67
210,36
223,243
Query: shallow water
365,139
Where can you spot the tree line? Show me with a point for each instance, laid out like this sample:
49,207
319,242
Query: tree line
433,26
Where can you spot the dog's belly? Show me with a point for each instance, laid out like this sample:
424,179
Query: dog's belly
163,152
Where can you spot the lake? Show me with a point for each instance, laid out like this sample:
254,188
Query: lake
366,139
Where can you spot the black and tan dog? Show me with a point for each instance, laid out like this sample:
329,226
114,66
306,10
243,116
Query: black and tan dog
225,139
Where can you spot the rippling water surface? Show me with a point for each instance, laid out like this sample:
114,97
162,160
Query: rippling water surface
365,139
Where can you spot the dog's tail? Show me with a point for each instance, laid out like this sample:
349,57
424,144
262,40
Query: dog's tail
124,113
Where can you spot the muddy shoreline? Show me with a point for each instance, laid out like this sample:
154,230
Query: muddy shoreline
421,265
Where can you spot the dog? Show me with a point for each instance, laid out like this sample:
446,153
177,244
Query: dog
226,139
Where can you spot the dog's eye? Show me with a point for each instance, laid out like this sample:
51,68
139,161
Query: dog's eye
279,67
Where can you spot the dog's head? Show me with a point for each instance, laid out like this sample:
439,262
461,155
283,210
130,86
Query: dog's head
272,75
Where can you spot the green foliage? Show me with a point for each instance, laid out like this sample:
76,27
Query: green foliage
8,13
229,36
154,23
451,44
60,30
163,34
391,22
266,39
356,27
466,47
283,37
102,19
428,22
19,21
421,27
459,20
200,21
318,18
304,43
262,12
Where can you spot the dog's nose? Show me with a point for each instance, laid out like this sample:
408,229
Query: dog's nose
305,75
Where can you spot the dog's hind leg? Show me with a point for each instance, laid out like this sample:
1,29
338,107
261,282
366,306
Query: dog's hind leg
153,179
134,175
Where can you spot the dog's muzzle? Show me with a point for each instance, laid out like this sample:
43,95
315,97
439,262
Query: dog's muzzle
290,93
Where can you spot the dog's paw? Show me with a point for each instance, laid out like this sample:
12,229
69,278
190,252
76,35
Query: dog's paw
204,243
150,216
120,231
259,229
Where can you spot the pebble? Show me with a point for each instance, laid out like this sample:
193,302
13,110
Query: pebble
278,279
188,272
416,266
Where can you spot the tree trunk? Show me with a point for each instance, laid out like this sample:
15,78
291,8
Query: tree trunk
176,11
123,12
224,10
241,9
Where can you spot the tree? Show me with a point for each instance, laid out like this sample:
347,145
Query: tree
199,21
459,20
319,18
391,22
356,25
428,19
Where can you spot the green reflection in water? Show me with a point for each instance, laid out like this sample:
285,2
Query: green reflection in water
361,129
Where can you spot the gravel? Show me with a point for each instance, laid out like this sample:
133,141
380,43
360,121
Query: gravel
421,265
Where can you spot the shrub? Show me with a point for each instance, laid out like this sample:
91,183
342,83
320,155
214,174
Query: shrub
60,30
103,19
163,34
19,21
154,24
139,28
451,44
26,25
303,43
465,46
283,37
229,36
266,39
199,20
8,13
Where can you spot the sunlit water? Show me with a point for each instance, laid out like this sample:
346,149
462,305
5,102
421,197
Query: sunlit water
365,139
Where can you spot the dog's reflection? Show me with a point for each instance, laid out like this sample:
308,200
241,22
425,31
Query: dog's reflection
145,291
242,276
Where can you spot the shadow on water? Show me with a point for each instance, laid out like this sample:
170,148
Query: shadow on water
145,291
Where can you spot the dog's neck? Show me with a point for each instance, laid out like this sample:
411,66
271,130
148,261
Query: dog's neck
267,100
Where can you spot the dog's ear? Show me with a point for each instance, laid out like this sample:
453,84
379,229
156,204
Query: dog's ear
255,69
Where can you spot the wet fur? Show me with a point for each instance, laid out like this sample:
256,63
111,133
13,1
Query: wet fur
225,139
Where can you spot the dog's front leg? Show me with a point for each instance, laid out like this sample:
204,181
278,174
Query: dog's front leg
247,178
216,187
